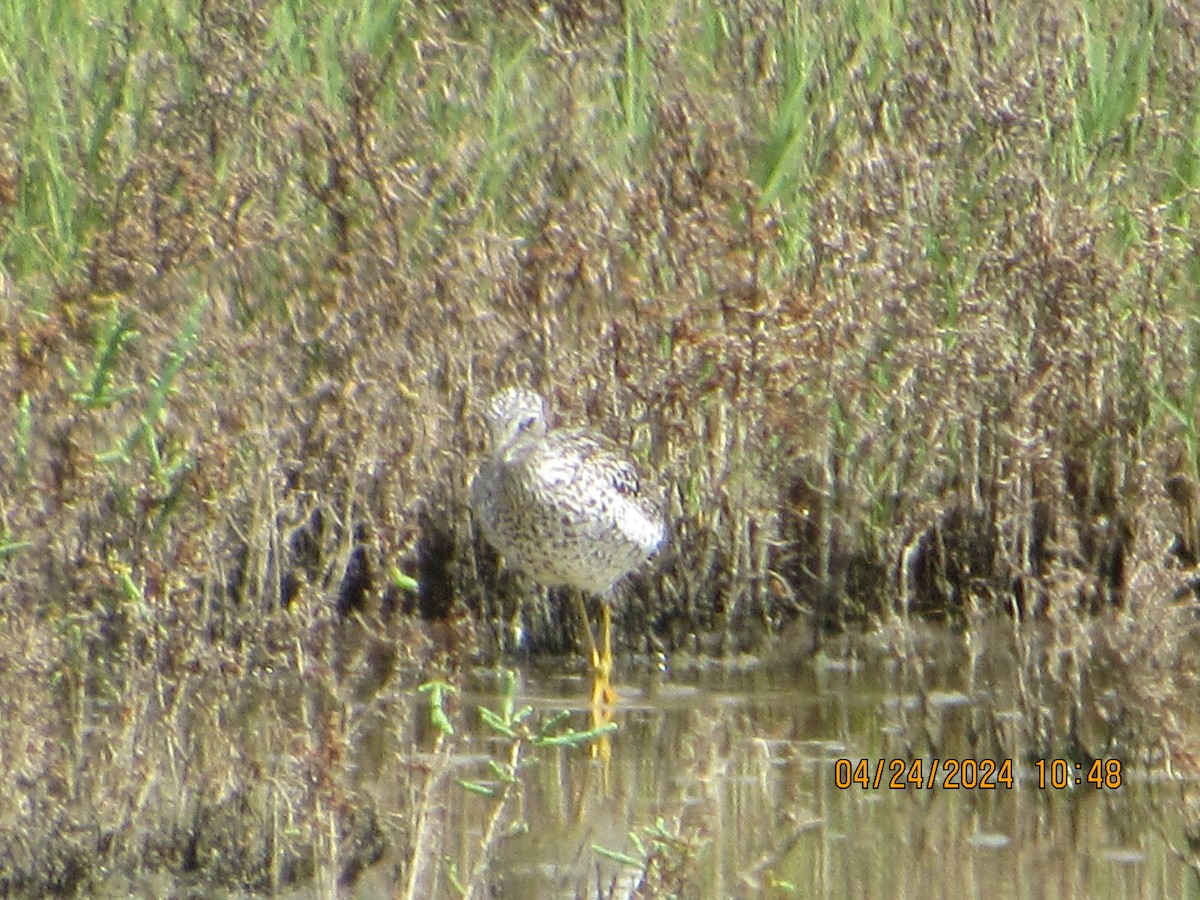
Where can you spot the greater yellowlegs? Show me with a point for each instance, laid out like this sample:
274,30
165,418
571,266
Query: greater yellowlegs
565,506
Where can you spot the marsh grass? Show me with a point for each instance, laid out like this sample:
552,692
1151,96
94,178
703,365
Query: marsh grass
898,305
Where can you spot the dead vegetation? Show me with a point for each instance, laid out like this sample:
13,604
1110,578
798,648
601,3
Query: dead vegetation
899,311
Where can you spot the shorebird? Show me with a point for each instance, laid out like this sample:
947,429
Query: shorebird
567,507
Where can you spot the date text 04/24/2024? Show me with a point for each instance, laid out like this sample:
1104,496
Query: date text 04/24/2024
971,774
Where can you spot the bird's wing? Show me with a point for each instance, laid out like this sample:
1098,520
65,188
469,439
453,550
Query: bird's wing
624,477
603,460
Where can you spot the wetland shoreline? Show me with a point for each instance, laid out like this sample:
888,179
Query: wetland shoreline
897,304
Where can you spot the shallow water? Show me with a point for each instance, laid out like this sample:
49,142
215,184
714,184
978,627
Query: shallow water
738,771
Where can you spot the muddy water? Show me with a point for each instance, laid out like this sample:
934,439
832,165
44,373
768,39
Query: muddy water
726,779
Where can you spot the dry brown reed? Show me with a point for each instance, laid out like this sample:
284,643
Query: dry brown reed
952,372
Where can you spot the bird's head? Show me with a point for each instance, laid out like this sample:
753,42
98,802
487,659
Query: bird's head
513,414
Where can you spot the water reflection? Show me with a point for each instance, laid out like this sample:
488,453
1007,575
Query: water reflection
721,784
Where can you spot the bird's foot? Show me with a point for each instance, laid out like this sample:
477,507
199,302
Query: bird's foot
603,693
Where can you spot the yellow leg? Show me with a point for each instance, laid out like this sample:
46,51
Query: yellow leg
602,658
602,715
602,689
604,698
587,626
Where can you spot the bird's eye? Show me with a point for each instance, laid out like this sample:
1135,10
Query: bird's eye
527,423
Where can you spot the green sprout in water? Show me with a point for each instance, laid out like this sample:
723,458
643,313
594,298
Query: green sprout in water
514,725
437,690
